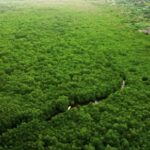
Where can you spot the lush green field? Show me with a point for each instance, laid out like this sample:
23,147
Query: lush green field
55,54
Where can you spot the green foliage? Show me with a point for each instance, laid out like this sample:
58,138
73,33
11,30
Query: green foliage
55,57
61,104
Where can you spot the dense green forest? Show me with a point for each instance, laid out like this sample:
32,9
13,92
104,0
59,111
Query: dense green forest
74,75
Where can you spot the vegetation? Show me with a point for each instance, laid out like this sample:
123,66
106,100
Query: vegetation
139,10
53,56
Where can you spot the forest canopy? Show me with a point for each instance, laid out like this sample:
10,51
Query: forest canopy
74,75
